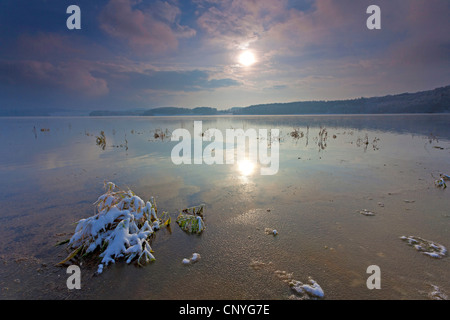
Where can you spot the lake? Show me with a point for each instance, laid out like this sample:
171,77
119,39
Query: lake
331,168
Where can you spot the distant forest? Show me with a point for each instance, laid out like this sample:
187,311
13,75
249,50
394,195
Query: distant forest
432,101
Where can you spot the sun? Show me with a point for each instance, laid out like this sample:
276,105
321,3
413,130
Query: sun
247,58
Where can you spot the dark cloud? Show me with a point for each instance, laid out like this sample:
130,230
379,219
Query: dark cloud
39,76
154,28
184,81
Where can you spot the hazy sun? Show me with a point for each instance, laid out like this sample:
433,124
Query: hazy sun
247,58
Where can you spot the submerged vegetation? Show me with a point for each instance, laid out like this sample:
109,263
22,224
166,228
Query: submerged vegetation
297,134
160,134
101,140
123,226
441,181
323,135
191,219
321,140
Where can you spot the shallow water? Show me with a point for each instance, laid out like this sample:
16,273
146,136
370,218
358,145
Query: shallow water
385,164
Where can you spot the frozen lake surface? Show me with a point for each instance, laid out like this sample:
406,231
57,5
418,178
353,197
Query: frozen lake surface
347,189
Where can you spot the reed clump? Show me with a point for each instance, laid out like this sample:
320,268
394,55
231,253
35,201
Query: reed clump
121,229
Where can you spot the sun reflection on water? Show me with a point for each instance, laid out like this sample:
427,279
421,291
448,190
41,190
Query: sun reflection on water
246,167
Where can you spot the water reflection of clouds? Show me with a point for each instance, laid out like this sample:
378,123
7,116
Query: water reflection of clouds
66,156
166,188
72,149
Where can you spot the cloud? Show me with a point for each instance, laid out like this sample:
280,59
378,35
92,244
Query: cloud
53,46
43,77
43,45
426,41
326,43
238,23
144,53
153,28
168,81
325,27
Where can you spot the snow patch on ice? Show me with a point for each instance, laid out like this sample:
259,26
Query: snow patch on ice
195,257
437,294
427,247
310,290
366,212
307,291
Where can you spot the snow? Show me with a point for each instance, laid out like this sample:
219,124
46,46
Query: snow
427,247
307,291
195,257
121,228
437,293
366,212
433,254
314,289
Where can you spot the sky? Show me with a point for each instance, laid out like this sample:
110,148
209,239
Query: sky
139,54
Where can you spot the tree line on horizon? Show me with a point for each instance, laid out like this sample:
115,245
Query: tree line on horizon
432,101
